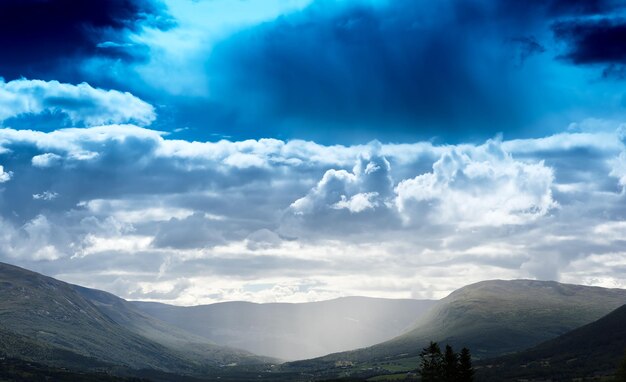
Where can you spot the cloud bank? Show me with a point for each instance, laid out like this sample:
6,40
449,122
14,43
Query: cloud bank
455,70
270,172
334,71
130,210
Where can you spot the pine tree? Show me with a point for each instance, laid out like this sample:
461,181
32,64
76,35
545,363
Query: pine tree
450,365
620,376
431,363
466,371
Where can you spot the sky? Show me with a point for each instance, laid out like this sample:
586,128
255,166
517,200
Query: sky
198,151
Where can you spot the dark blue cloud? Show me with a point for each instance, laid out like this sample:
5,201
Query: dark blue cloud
340,71
454,69
48,38
404,66
594,41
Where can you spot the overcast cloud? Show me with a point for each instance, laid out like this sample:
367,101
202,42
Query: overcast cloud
130,210
293,150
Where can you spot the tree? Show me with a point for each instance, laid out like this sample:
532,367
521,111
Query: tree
620,376
466,371
431,363
447,367
450,365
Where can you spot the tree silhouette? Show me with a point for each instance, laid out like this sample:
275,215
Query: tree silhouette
466,371
431,363
450,365
447,367
620,376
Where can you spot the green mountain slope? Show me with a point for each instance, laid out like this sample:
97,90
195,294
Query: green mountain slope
190,346
16,370
592,350
16,345
49,321
295,331
494,318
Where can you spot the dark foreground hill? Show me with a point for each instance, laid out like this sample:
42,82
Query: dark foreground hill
492,318
295,331
592,350
16,370
55,323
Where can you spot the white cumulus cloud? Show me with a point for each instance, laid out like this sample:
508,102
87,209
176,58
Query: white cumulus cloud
142,210
5,176
357,203
81,103
365,187
477,186
46,160
46,195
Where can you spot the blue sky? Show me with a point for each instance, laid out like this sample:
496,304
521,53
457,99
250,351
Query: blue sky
294,150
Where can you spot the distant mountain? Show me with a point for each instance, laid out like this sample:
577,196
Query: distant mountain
493,318
295,331
52,322
592,350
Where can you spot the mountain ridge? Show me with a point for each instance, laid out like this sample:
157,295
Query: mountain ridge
60,322
294,330
493,317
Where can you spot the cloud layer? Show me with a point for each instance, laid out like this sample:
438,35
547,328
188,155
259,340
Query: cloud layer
132,211
454,69
257,180
334,71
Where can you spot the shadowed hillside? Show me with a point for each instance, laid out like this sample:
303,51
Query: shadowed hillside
592,350
16,370
49,321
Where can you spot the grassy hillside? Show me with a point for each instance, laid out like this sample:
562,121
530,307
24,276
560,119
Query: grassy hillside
592,350
497,317
49,321
295,331
15,345
16,370
493,318
190,346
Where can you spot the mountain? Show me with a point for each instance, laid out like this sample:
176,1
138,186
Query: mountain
570,330
16,370
493,318
194,347
52,322
592,350
295,331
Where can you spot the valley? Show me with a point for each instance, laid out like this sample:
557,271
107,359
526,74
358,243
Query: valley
515,329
